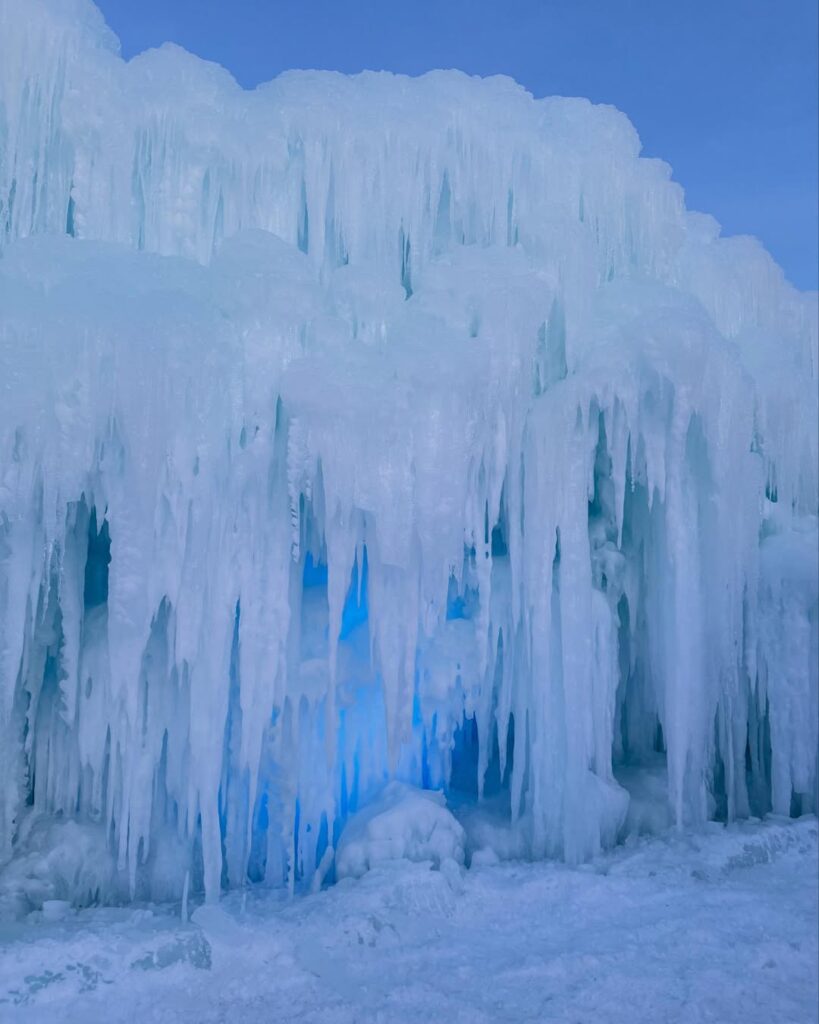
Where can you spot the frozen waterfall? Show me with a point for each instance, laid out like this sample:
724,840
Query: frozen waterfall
375,428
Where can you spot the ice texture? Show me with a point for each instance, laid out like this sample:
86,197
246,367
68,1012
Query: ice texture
377,428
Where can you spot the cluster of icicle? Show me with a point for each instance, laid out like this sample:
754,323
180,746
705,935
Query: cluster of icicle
349,416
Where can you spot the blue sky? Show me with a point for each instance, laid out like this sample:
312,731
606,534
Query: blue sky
727,91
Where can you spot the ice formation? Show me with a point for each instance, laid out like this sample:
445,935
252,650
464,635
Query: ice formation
357,429
404,823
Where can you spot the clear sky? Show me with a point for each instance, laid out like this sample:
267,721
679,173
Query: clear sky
727,91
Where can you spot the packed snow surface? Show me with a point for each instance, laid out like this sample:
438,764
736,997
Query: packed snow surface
718,925
369,429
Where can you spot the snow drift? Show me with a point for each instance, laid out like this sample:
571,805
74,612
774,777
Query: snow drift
357,429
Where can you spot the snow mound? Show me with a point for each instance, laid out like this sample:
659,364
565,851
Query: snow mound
403,824
717,852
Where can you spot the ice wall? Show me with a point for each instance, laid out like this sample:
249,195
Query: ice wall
357,428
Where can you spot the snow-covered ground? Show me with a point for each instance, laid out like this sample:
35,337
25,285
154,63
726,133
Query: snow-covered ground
716,925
